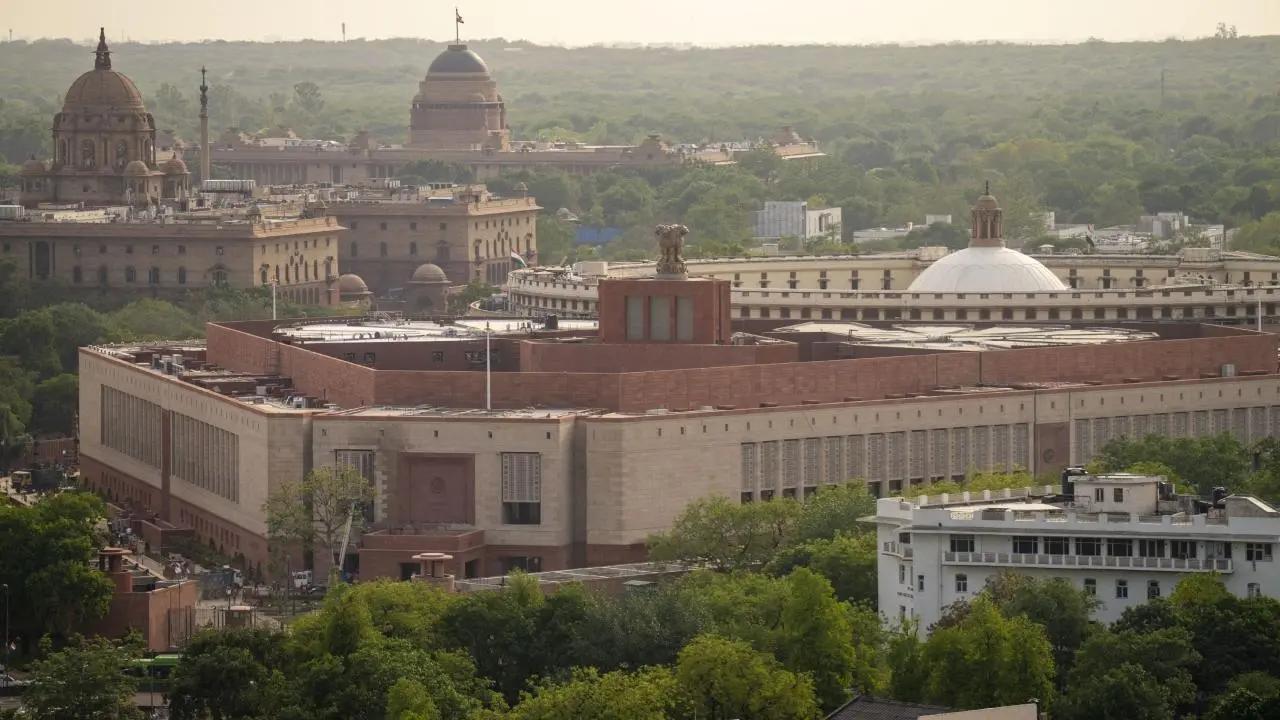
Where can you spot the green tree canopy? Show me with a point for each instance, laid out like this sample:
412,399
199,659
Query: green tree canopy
86,680
721,679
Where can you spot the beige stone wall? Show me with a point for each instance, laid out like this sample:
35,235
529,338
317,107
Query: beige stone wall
237,250
386,243
483,439
642,471
272,446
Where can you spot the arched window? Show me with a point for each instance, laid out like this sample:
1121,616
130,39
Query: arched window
413,248
263,274
130,275
315,269
306,272
153,276
277,274
220,277
87,154
182,276
102,274
355,249
287,274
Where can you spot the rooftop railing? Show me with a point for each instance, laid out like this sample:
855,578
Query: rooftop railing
1103,562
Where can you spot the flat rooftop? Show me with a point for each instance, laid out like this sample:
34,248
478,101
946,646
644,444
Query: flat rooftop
454,412
967,337
395,330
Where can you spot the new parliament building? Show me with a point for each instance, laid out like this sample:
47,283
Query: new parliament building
544,444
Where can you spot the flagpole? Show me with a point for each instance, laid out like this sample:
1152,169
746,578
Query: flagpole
488,369
457,28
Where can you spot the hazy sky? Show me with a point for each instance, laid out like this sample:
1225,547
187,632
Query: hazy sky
703,22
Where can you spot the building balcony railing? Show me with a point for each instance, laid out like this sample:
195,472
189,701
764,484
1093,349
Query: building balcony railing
1102,562
898,549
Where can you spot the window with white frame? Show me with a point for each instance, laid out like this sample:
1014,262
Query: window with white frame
1255,590
1122,589
1153,589
962,543
962,583
522,488
1090,587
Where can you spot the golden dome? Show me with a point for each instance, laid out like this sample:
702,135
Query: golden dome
136,168
174,166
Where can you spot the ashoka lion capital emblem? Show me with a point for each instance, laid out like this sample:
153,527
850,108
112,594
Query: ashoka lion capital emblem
671,245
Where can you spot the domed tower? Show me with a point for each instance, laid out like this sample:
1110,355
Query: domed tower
103,131
458,106
986,266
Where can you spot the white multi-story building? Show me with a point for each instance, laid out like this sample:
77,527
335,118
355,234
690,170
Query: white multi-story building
1124,538
781,218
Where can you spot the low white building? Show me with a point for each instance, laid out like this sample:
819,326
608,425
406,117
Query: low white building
1123,538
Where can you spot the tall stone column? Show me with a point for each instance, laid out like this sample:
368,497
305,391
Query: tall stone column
205,150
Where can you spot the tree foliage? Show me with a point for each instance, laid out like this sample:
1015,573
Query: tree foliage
47,552
987,659
83,681
321,509
724,679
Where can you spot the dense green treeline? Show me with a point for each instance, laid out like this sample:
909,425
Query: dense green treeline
772,637
1083,130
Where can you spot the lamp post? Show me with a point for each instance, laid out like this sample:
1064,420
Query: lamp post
5,586
488,370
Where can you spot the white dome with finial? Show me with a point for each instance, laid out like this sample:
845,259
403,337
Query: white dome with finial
987,266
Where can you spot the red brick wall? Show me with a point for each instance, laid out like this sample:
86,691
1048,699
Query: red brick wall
148,613
711,322
1144,360
791,383
409,355
638,357
510,390
596,375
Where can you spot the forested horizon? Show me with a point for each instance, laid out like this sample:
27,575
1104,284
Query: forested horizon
1097,132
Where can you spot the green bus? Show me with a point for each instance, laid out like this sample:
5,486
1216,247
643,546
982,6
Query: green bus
154,673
